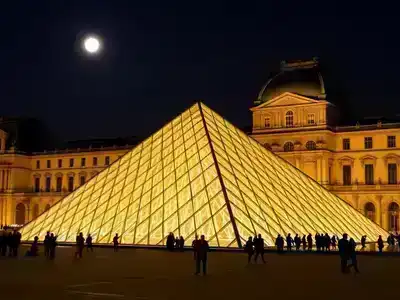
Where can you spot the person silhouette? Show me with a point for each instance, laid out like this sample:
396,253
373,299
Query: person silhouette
116,242
89,245
201,256
248,248
344,252
353,256
259,248
380,244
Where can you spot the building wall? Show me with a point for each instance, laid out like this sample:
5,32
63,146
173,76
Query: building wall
19,172
325,163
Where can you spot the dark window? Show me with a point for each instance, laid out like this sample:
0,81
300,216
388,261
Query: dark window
346,175
48,164
368,142
107,160
83,162
60,163
310,145
94,161
48,184
267,122
391,141
289,119
392,173
288,147
71,162
82,179
311,119
346,144
37,184
59,184
38,164
369,174
369,211
70,184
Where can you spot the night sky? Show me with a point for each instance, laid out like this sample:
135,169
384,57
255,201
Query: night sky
162,56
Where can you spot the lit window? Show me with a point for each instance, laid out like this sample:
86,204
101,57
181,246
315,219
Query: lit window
392,173
107,161
82,179
346,144
391,141
94,161
48,164
38,164
369,174
71,162
70,184
310,145
59,184
83,161
311,119
368,142
48,183
289,119
288,147
60,163
346,175
267,122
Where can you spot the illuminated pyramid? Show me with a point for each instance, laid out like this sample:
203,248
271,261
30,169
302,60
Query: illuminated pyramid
199,175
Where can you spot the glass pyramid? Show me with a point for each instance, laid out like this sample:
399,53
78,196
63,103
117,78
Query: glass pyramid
199,175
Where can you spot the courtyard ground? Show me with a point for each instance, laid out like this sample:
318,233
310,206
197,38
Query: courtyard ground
155,274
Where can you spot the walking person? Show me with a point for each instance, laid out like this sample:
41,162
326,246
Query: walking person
89,245
259,248
80,244
248,248
201,256
353,256
344,253
363,242
116,242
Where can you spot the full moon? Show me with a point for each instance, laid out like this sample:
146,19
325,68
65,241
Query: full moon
91,44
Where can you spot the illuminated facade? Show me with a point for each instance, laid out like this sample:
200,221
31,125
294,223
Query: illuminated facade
31,182
199,174
358,163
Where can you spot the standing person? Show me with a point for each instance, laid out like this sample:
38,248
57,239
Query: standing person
17,242
201,256
46,244
80,244
194,245
304,242
309,241
344,252
248,248
353,255
297,242
279,243
177,241
52,246
181,243
380,244
89,245
170,241
116,242
259,248
34,248
289,242
333,242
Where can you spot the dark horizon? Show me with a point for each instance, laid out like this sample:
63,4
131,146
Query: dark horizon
159,58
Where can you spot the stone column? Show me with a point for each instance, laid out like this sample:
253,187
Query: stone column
323,170
319,169
378,217
356,201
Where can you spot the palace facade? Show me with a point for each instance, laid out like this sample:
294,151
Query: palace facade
31,181
293,117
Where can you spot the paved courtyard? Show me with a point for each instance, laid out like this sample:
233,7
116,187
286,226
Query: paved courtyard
154,274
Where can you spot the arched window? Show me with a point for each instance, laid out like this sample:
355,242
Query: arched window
289,119
288,147
394,211
369,211
20,214
310,145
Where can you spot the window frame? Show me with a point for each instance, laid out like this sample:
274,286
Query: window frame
83,161
289,115
312,115
369,174
346,144
346,177
391,143
392,173
368,142
71,162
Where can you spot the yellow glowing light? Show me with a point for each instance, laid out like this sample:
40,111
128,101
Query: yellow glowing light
91,44
174,181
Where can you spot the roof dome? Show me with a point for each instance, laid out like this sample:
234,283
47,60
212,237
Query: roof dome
298,77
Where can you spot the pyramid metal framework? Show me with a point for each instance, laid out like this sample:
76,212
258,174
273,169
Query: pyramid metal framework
199,175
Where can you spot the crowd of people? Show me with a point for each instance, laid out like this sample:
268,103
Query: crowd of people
9,242
173,242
